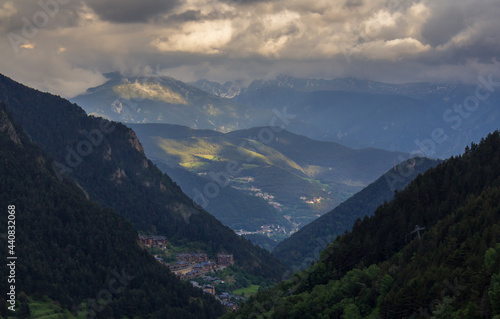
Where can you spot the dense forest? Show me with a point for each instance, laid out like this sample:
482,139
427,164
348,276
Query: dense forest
303,247
384,268
84,258
108,162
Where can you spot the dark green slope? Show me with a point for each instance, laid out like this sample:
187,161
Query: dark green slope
73,251
428,199
232,207
107,160
303,247
382,269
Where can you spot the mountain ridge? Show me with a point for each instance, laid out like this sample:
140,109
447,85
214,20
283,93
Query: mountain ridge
431,252
304,246
67,248
158,99
362,113
266,162
107,161
349,84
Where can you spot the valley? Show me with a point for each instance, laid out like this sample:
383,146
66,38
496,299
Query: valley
240,159
293,195
295,178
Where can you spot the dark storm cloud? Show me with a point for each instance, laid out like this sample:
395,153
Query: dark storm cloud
460,33
194,15
246,2
50,14
445,22
190,15
353,3
130,11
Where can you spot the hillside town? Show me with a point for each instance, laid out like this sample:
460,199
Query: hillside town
197,265
190,266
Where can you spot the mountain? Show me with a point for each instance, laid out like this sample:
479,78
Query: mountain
74,255
433,119
161,99
432,252
231,206
226,90
304,247
107,161
429,119
294,176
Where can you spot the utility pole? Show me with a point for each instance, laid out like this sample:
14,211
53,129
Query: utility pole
417,230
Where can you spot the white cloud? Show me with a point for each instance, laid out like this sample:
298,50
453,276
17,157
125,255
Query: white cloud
7,10
207,37
27,45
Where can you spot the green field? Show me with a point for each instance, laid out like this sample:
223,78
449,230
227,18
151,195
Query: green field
248,291
45,309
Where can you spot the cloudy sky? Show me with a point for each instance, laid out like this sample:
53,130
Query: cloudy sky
65,46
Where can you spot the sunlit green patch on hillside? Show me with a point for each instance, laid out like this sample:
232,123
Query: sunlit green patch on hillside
208,156
150,91
194,165
189,149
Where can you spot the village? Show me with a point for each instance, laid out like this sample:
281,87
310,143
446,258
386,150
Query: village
196,266
265,230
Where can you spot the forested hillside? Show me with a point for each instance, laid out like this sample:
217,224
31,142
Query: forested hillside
84,258
108,162
450,268
303,247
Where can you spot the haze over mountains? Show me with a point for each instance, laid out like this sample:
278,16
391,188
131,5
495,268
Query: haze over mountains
160,99
362,113
431,119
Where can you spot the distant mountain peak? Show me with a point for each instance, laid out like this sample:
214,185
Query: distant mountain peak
227,90
162,99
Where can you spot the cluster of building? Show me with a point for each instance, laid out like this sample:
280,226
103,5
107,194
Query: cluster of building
193,271
192,258
224,298
266,230
189,266
225,260
154,241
